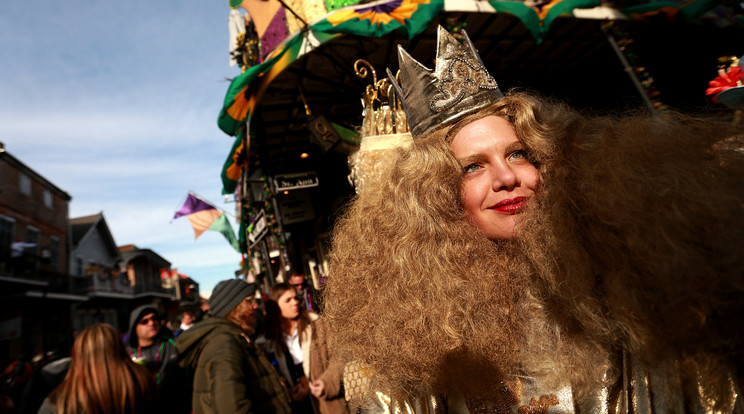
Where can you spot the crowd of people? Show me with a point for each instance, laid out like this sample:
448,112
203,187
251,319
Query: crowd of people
509,254
227,362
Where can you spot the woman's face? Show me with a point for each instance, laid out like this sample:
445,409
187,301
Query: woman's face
289,305
497,177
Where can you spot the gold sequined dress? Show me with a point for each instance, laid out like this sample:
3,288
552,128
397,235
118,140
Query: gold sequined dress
639,390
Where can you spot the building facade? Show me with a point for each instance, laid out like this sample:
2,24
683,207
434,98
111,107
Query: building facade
36,289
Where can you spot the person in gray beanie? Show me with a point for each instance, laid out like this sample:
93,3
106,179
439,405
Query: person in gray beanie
231,374
227,295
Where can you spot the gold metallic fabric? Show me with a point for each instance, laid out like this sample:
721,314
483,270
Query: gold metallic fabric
308,10
638,390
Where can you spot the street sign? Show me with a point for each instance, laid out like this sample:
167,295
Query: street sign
259,229
284,182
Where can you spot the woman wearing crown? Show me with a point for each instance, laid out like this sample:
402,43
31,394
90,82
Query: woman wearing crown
518,256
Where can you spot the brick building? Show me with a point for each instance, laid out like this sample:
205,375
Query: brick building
36,289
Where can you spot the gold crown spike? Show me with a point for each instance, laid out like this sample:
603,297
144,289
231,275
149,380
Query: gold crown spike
381,114
384,130
458,86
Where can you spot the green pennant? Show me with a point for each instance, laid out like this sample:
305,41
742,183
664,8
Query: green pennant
237,94
223,226
347,134
233,165
416,23
529,16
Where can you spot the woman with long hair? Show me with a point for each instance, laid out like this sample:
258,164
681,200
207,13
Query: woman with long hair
287,333
295,341
102,378
525,257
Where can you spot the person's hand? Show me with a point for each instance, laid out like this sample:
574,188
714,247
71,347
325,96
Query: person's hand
299,392
317,388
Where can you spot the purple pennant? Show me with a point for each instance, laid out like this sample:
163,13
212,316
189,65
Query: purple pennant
382,8
193,205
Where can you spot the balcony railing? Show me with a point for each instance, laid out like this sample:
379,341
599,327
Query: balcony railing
38,275
26,267
109,283
154,288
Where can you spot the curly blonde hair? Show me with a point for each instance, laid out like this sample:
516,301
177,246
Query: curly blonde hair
632,243
637,242
418,294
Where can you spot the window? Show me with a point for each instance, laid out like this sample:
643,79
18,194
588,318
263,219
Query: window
54,252
32,236
79,271
24,184
7,230
48,199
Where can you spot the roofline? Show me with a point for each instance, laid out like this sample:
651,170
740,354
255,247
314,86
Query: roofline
108,234
4,154
136,252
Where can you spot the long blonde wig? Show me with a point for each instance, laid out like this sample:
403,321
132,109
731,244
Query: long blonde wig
638,242
632,243
418,294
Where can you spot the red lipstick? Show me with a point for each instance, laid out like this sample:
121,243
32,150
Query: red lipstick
510,205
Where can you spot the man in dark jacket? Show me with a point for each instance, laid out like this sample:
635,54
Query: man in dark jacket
231,374
152,345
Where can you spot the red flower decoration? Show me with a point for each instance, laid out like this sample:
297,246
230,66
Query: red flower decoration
725,80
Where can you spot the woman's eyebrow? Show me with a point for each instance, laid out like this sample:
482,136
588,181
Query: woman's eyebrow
471,158
514,146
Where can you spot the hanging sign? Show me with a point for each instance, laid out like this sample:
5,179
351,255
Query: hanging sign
260,228
322,132
284,182
296,207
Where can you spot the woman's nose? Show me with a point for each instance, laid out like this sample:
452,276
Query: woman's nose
503,177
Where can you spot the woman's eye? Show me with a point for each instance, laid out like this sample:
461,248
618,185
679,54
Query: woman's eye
470,168
519,155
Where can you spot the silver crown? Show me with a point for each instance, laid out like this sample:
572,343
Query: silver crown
458,86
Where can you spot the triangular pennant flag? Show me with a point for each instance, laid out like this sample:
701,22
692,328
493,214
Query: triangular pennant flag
193,204
205,216
203,220
223,226
537,18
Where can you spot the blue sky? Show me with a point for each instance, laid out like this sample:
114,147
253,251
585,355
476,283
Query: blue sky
116,103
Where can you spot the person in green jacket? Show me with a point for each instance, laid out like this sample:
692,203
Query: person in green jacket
231,374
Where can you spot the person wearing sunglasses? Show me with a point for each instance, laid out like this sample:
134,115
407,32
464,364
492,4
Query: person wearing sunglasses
151,345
